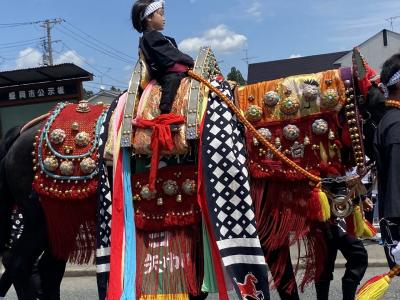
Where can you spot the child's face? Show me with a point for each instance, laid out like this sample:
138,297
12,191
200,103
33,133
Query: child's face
157,20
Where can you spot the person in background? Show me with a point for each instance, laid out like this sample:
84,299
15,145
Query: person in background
387,152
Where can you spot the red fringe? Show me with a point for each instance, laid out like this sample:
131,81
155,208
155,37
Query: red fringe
71,228
314,257
283,221
171,262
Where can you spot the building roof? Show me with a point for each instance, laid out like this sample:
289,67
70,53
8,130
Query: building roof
66,71
104,94
293,66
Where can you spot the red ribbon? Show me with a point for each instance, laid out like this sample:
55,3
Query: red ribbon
161,138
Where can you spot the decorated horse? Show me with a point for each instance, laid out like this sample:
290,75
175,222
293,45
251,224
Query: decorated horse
164,240
312,120
172,192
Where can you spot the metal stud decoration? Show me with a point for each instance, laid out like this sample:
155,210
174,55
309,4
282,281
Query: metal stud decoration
271,98
88,165
57,136
265,132
291,132
83,106
82,139
50,163
146,194
170,187
254,113
67,168
311,90
330,99
189,187
320,127
289,106
75,126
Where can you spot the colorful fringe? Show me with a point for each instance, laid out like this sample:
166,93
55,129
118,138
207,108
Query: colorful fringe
375,288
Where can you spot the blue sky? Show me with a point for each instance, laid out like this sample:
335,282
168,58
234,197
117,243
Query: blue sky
267,30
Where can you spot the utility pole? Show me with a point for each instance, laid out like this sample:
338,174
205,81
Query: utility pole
48,25
390,20
246,58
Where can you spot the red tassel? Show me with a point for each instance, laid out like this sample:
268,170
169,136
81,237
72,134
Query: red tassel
171,262
71,227
314,206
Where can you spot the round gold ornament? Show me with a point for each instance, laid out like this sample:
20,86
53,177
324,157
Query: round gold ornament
254,113
82,139
289,106
88,165
67,168
50,163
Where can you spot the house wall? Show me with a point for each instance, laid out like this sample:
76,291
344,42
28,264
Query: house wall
11,116
374,50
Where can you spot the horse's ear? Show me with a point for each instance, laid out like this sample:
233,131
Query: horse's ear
364,75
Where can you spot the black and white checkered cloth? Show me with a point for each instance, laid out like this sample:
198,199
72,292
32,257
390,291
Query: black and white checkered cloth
227,191
104,213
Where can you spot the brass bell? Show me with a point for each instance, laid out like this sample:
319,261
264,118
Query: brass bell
179,198
75,126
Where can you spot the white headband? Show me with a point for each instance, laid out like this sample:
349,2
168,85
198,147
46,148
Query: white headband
152,7
393,80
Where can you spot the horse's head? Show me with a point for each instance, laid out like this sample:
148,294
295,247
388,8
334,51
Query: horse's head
251,277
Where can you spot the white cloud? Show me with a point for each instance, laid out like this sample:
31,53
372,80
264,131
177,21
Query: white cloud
128,68
255,9
71,56
28,58
219,38
295,56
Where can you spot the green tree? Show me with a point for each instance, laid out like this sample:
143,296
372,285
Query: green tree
114,89
235,75
87,94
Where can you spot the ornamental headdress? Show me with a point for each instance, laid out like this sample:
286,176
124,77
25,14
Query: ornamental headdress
152,7
392,81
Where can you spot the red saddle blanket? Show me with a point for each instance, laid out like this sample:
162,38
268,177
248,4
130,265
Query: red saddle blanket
65,152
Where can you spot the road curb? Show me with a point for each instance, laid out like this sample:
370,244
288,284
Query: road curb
340,263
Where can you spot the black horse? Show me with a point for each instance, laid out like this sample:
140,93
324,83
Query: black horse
30,251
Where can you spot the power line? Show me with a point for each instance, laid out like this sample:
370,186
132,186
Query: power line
93,67
98,41
83,41
391,20
18,42
246,58
11,25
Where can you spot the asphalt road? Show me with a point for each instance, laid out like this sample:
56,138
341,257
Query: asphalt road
84,288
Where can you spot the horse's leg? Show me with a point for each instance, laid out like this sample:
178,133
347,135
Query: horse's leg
19,174
5,284
51,271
